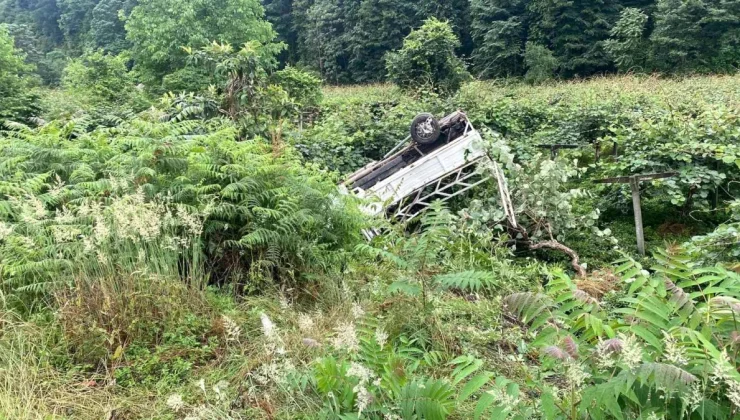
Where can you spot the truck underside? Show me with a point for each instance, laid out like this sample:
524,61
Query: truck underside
408,181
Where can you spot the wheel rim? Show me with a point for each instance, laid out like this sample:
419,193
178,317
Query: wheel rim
425,129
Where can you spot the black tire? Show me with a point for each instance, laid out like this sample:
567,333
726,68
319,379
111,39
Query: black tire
425,129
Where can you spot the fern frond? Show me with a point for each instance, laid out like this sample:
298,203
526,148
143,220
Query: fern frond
530,308
469,281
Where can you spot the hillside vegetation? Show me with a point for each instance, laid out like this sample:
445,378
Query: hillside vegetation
173,243
159,268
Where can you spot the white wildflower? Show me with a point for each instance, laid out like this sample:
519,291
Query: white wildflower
722,369
364,398
733,392
57,187
273,372
63,233
346,337
134,218
357,311
694,397
117,184
346,290
266,373
5,230
86,209
365,375
673,353
305,323
631,351
381,337
175,402
191,221
268,328
503,399
361,372
28,242
232,331
604,359
219,389
32,209
64,216
100,230
310,342
202,385
575,374
284,303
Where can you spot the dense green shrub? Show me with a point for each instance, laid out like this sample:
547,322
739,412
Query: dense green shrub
99,78
259,216
158,31
303,88
351,132
427,60
628,45
17,99
540,62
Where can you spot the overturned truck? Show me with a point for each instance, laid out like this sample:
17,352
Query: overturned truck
436,162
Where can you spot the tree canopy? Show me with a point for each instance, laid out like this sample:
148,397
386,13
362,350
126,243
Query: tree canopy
346,41
159,29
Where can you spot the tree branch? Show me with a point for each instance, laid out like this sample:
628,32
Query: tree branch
557,246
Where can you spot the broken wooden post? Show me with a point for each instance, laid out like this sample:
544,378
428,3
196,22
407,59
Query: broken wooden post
555,148
634,182
637,206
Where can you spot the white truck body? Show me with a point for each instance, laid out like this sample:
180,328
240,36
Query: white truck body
425,171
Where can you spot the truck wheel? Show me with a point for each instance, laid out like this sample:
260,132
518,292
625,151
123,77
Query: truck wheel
425,129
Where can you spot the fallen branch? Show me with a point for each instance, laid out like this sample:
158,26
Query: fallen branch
557,246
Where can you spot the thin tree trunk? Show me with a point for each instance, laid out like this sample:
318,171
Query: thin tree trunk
557,246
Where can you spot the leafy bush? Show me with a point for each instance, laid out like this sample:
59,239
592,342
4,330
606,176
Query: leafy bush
541,63
427,60
720,245
302,87
16,95
105,319
258,215
99,76
628,46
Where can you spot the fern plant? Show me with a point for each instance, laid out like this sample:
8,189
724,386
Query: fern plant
668,350
385,378
422,258
266,216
